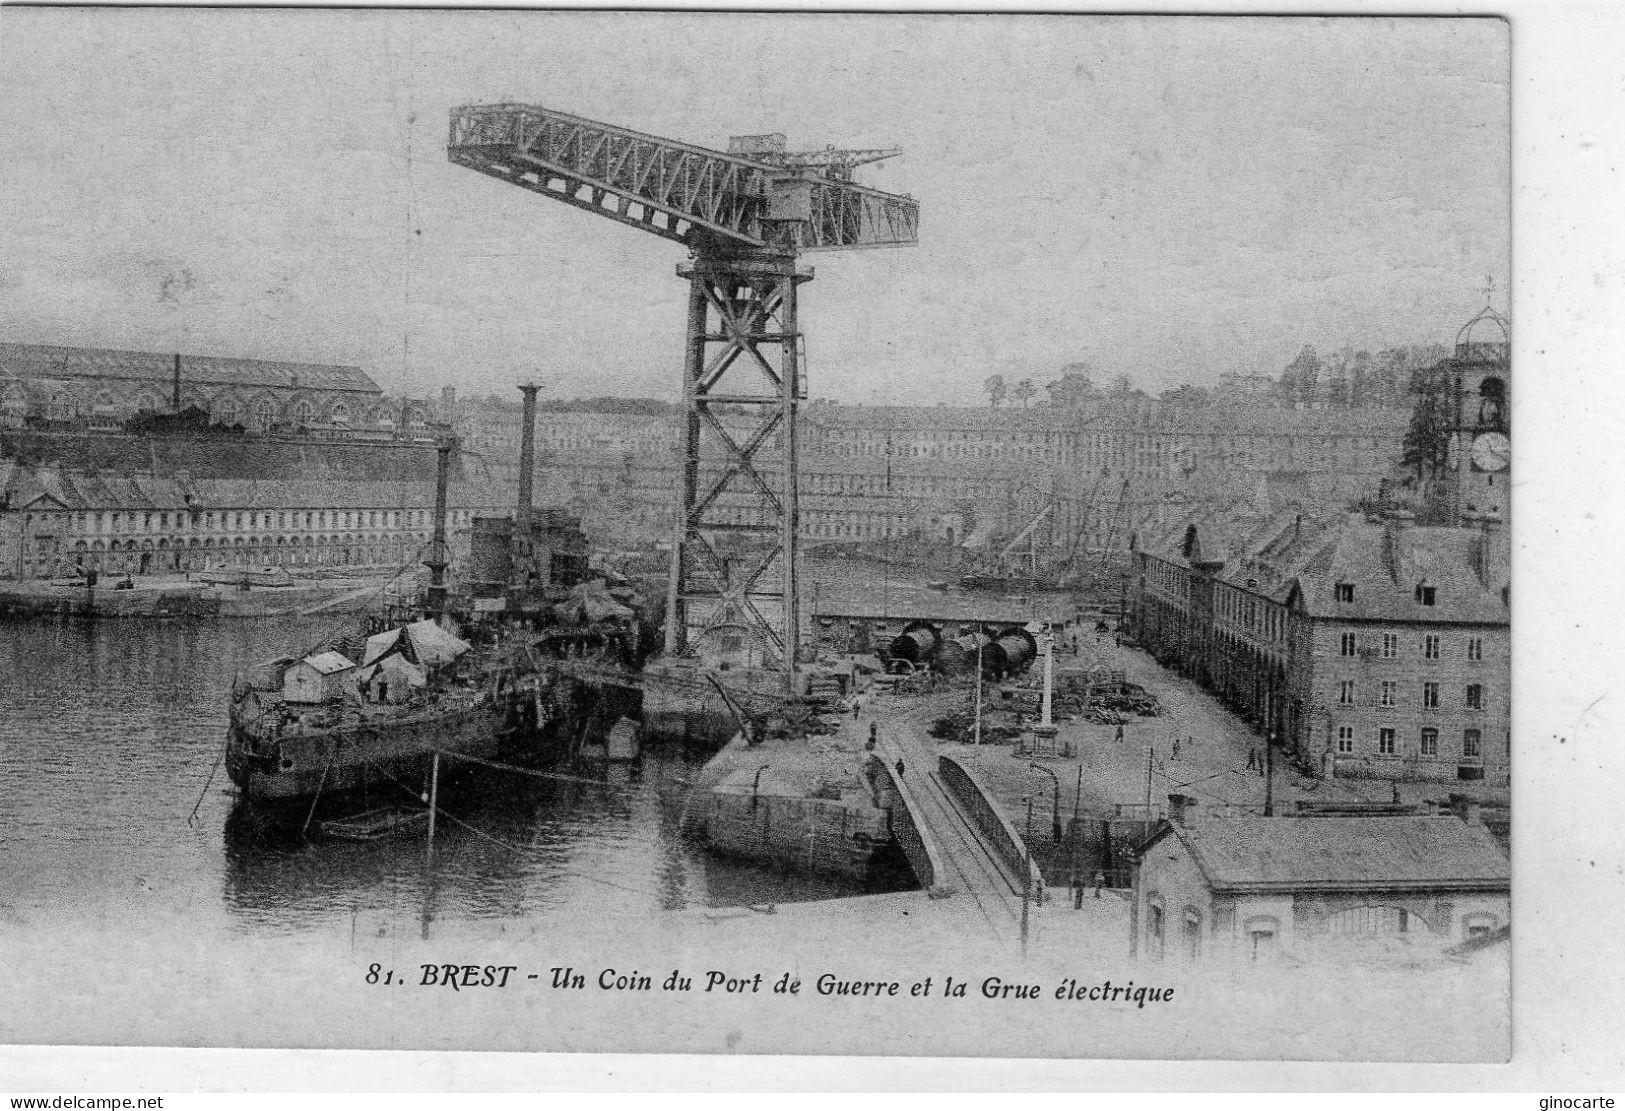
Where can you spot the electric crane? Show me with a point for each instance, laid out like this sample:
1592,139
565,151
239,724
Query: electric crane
745,215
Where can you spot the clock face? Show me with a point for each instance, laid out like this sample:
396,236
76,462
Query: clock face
1492,452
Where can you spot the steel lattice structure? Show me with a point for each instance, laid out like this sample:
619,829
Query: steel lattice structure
745,220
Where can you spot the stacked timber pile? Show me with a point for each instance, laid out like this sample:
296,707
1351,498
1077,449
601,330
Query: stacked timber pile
961,726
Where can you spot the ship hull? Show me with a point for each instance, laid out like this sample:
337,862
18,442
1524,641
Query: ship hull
395,756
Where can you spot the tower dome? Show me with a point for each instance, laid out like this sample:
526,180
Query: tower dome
1487,336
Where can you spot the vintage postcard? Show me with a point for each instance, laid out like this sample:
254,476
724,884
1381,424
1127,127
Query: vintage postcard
887,534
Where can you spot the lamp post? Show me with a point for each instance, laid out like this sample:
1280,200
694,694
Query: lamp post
1269,774
976,754
1049,676
755,785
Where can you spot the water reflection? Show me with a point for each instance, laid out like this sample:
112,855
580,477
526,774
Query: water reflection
108,732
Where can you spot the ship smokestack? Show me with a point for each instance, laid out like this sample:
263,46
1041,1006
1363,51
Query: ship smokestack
527,472
437,561
175,402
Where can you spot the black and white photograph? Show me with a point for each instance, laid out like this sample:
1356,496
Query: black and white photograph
885,534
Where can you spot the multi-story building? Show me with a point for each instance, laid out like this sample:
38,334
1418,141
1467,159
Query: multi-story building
54,521
885,472
1371,647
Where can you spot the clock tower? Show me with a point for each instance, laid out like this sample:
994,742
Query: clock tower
1479,481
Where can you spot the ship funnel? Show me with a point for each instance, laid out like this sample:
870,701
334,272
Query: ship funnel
527,460
439,557
521,542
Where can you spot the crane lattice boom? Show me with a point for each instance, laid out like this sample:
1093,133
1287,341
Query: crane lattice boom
675,190
745,215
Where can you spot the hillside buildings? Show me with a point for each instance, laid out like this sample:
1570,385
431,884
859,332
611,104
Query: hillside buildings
949,475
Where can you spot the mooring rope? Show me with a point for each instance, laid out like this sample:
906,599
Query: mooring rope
191,819
305,830
519,849
516,769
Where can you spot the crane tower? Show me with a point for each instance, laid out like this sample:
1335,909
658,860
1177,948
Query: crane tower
745,215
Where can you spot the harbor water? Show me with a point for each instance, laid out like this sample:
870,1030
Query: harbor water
108,734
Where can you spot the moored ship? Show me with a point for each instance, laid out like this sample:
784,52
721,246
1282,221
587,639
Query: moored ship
325,723
462,678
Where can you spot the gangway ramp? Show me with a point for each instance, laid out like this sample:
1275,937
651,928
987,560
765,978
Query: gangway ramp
953,830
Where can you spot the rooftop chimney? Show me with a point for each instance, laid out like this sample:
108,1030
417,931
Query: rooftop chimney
527,468
1179,809
1467,809
175,402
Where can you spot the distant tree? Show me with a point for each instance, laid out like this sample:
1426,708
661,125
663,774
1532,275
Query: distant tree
1360,381
1388,378
996,389
1186,397
1427,442
1300,380
1024,392
1074,389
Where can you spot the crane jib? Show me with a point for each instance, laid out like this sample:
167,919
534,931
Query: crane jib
674,189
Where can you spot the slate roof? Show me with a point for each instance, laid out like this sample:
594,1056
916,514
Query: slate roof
103,491
32,360
1386,567
1387,853
329,663
1290,553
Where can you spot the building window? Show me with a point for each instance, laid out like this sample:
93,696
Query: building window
1390,646
1193,934
1472,744
1345,739
1345,693
1475,648
1390,692
1345,592
1385,742
1154,932
1424,594
1475,696
1430,648
1430,696
1430,742
1261,933
1348,645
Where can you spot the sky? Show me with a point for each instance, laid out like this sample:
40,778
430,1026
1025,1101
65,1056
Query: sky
1168,198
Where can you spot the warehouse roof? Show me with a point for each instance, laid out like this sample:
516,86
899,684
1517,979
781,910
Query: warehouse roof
1366,853
32,360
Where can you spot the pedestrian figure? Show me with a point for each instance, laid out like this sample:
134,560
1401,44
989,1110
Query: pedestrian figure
874,734
899,769
857,708
1119,732
1100,881
1176,748
1252,758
